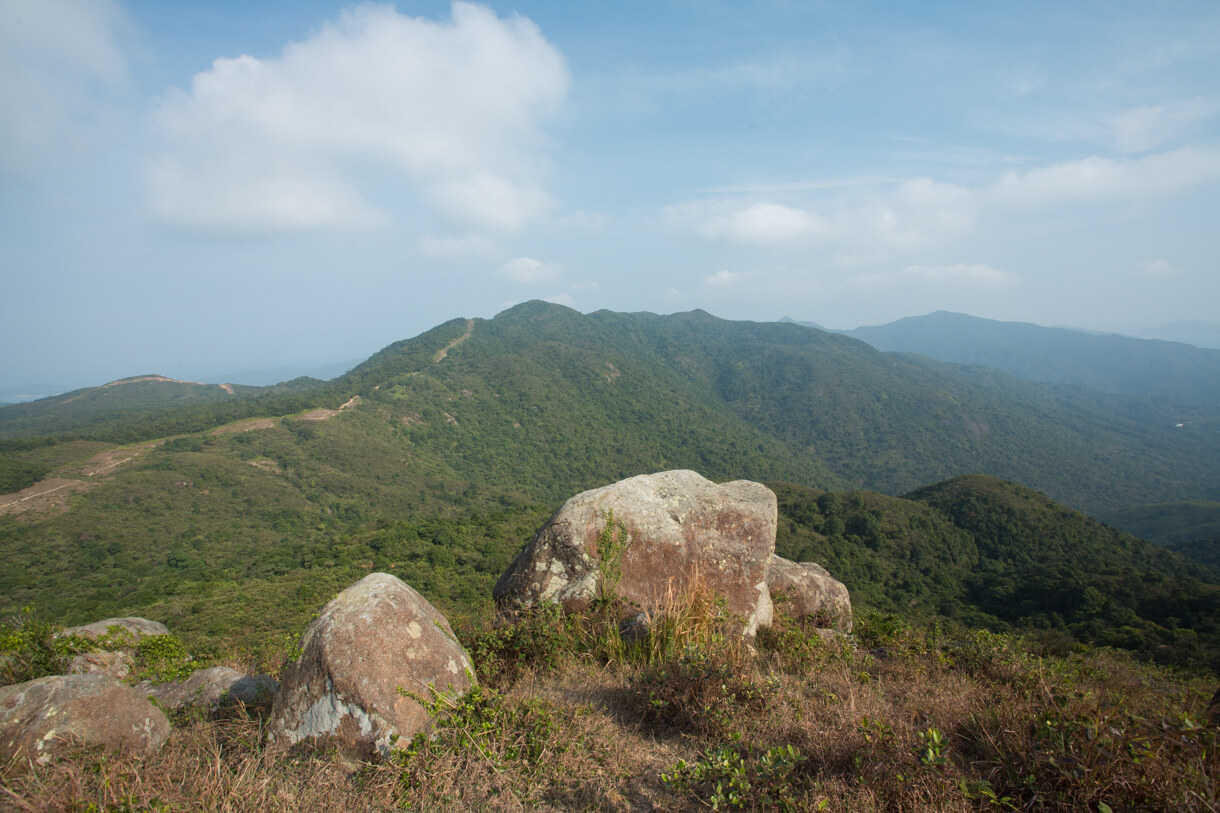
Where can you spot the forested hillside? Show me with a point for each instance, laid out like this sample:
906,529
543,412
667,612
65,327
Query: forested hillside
437,457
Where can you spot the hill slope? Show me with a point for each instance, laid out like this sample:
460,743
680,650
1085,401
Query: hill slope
452,446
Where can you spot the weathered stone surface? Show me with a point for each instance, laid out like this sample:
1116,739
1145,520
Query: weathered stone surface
115,664
812,592
136,628
678,530
213,688
40,718
373,639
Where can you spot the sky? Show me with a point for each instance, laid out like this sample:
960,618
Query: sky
197,189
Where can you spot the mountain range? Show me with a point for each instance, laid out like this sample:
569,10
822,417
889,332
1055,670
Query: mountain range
1103,362
240,508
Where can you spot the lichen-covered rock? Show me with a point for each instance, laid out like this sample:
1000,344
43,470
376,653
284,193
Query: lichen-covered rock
115,664
213,689
132,629
41,718
811,593
370,648
647,539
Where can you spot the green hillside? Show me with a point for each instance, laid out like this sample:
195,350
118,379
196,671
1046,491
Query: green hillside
437,457
129,408
997,555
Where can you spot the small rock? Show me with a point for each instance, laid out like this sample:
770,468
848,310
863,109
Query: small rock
812,592
213,688
636,628
117,665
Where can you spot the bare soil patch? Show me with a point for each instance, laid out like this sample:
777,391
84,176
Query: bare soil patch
244,426
45,495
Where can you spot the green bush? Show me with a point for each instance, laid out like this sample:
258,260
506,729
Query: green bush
29,650
163,658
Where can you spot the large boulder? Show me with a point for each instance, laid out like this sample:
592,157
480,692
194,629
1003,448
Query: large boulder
647,539
371,648
213,689
811,593
40,719
130,630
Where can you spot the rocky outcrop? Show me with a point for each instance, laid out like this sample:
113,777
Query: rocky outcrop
42,718
810,592
213,689
117,665
132,629
371,647
647,539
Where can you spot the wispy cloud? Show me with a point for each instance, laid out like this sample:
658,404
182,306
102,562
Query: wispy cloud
61,65
528,270
1159,268
725,278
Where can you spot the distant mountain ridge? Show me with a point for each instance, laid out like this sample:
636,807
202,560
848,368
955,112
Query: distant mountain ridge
1103,362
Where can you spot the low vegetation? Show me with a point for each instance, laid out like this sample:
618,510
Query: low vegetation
568,717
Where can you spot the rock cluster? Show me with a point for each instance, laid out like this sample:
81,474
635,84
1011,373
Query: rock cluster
378,653
649,537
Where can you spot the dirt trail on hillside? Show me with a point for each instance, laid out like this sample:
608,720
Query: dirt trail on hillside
54,493
444,351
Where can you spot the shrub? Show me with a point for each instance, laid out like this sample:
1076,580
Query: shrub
731,776
163,658
30,650
698,691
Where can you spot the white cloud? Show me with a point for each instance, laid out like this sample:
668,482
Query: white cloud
61,67
560,299
1159,268
722,278
960,273
529,270
1096,178
374,103
766,224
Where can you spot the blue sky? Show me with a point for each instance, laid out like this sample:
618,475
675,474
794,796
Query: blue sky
194,189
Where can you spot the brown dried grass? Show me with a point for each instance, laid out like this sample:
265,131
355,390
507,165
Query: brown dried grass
1036,734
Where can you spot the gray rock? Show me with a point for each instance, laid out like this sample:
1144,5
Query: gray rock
636,628
812,593
676,529
371,647
43,718
134,629
117,665
213,688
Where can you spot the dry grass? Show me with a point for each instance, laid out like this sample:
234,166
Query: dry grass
950,723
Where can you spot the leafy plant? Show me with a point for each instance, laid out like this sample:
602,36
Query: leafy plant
163,658
30,650
731,776
611,543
